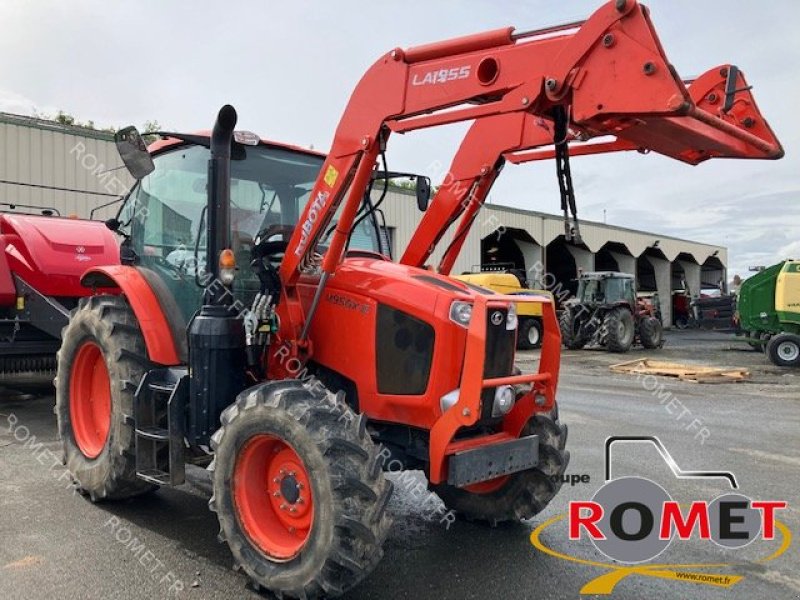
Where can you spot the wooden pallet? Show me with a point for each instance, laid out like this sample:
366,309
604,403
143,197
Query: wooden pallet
684,372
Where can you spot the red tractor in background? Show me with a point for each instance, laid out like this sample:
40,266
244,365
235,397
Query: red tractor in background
606,311
42,258
257,326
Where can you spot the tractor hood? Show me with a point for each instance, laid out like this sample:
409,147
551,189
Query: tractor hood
386,281
52,253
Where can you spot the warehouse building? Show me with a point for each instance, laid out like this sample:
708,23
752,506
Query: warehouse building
534,243
61,168
74,171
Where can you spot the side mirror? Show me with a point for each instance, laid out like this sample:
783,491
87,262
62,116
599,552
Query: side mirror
133,152
423,189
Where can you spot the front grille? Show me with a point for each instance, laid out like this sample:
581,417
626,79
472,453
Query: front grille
499,359
404,351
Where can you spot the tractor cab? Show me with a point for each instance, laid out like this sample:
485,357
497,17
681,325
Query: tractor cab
164,219
606,288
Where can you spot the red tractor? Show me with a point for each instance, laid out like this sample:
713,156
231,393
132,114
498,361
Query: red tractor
257,326
42,258
606,312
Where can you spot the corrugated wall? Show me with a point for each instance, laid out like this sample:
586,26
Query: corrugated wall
403,216
59,157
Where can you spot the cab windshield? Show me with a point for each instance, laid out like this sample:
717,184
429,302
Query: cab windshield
166,221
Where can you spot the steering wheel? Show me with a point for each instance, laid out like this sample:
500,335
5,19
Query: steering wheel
271,242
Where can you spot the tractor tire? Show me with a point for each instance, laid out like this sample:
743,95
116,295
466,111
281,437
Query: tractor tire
619,330
571,339
530,334
100,364
521,495
784,350
320,529
651,333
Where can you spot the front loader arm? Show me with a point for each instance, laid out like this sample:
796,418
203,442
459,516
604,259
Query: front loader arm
721,96
611,74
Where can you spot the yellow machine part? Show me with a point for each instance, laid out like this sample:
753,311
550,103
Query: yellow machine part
787,292
506,283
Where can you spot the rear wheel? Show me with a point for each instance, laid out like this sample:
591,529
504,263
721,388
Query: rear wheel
99,367
521,495
299,491
651,333
570,331
530,334
784,350
619,330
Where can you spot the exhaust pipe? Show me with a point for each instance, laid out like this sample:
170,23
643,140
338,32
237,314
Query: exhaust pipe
219,199
216,333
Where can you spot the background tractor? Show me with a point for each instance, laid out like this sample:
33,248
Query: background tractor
529,314
606,312
257,326
768,312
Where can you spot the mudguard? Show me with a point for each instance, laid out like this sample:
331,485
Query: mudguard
158,336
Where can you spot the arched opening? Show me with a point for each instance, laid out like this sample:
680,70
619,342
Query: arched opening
513,250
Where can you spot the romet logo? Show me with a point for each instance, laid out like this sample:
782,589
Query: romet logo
441,76
632,520
313,214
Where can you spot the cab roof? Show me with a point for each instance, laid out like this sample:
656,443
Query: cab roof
165,142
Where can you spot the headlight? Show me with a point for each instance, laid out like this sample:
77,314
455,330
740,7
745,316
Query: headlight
449,400
503,400
511,320
461,313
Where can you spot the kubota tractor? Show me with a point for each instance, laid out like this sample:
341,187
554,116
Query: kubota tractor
257,326
606,312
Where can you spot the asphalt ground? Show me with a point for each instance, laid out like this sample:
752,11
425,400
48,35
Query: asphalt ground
56,544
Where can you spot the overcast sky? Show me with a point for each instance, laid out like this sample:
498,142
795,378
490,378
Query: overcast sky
289,68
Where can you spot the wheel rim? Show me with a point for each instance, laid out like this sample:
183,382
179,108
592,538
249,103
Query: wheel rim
789,351
90,400
533,335
487,487
272,496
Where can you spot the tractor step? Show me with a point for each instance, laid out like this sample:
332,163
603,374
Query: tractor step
159,417
153,433
155,476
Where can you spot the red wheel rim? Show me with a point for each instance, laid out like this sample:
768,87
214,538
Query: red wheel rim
90,400
272,496
487,487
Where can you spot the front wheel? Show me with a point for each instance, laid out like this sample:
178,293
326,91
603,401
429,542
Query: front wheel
521,495
299,491
530,334
784,350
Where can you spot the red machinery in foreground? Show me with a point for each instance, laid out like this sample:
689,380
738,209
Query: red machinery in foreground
42,258
345,362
